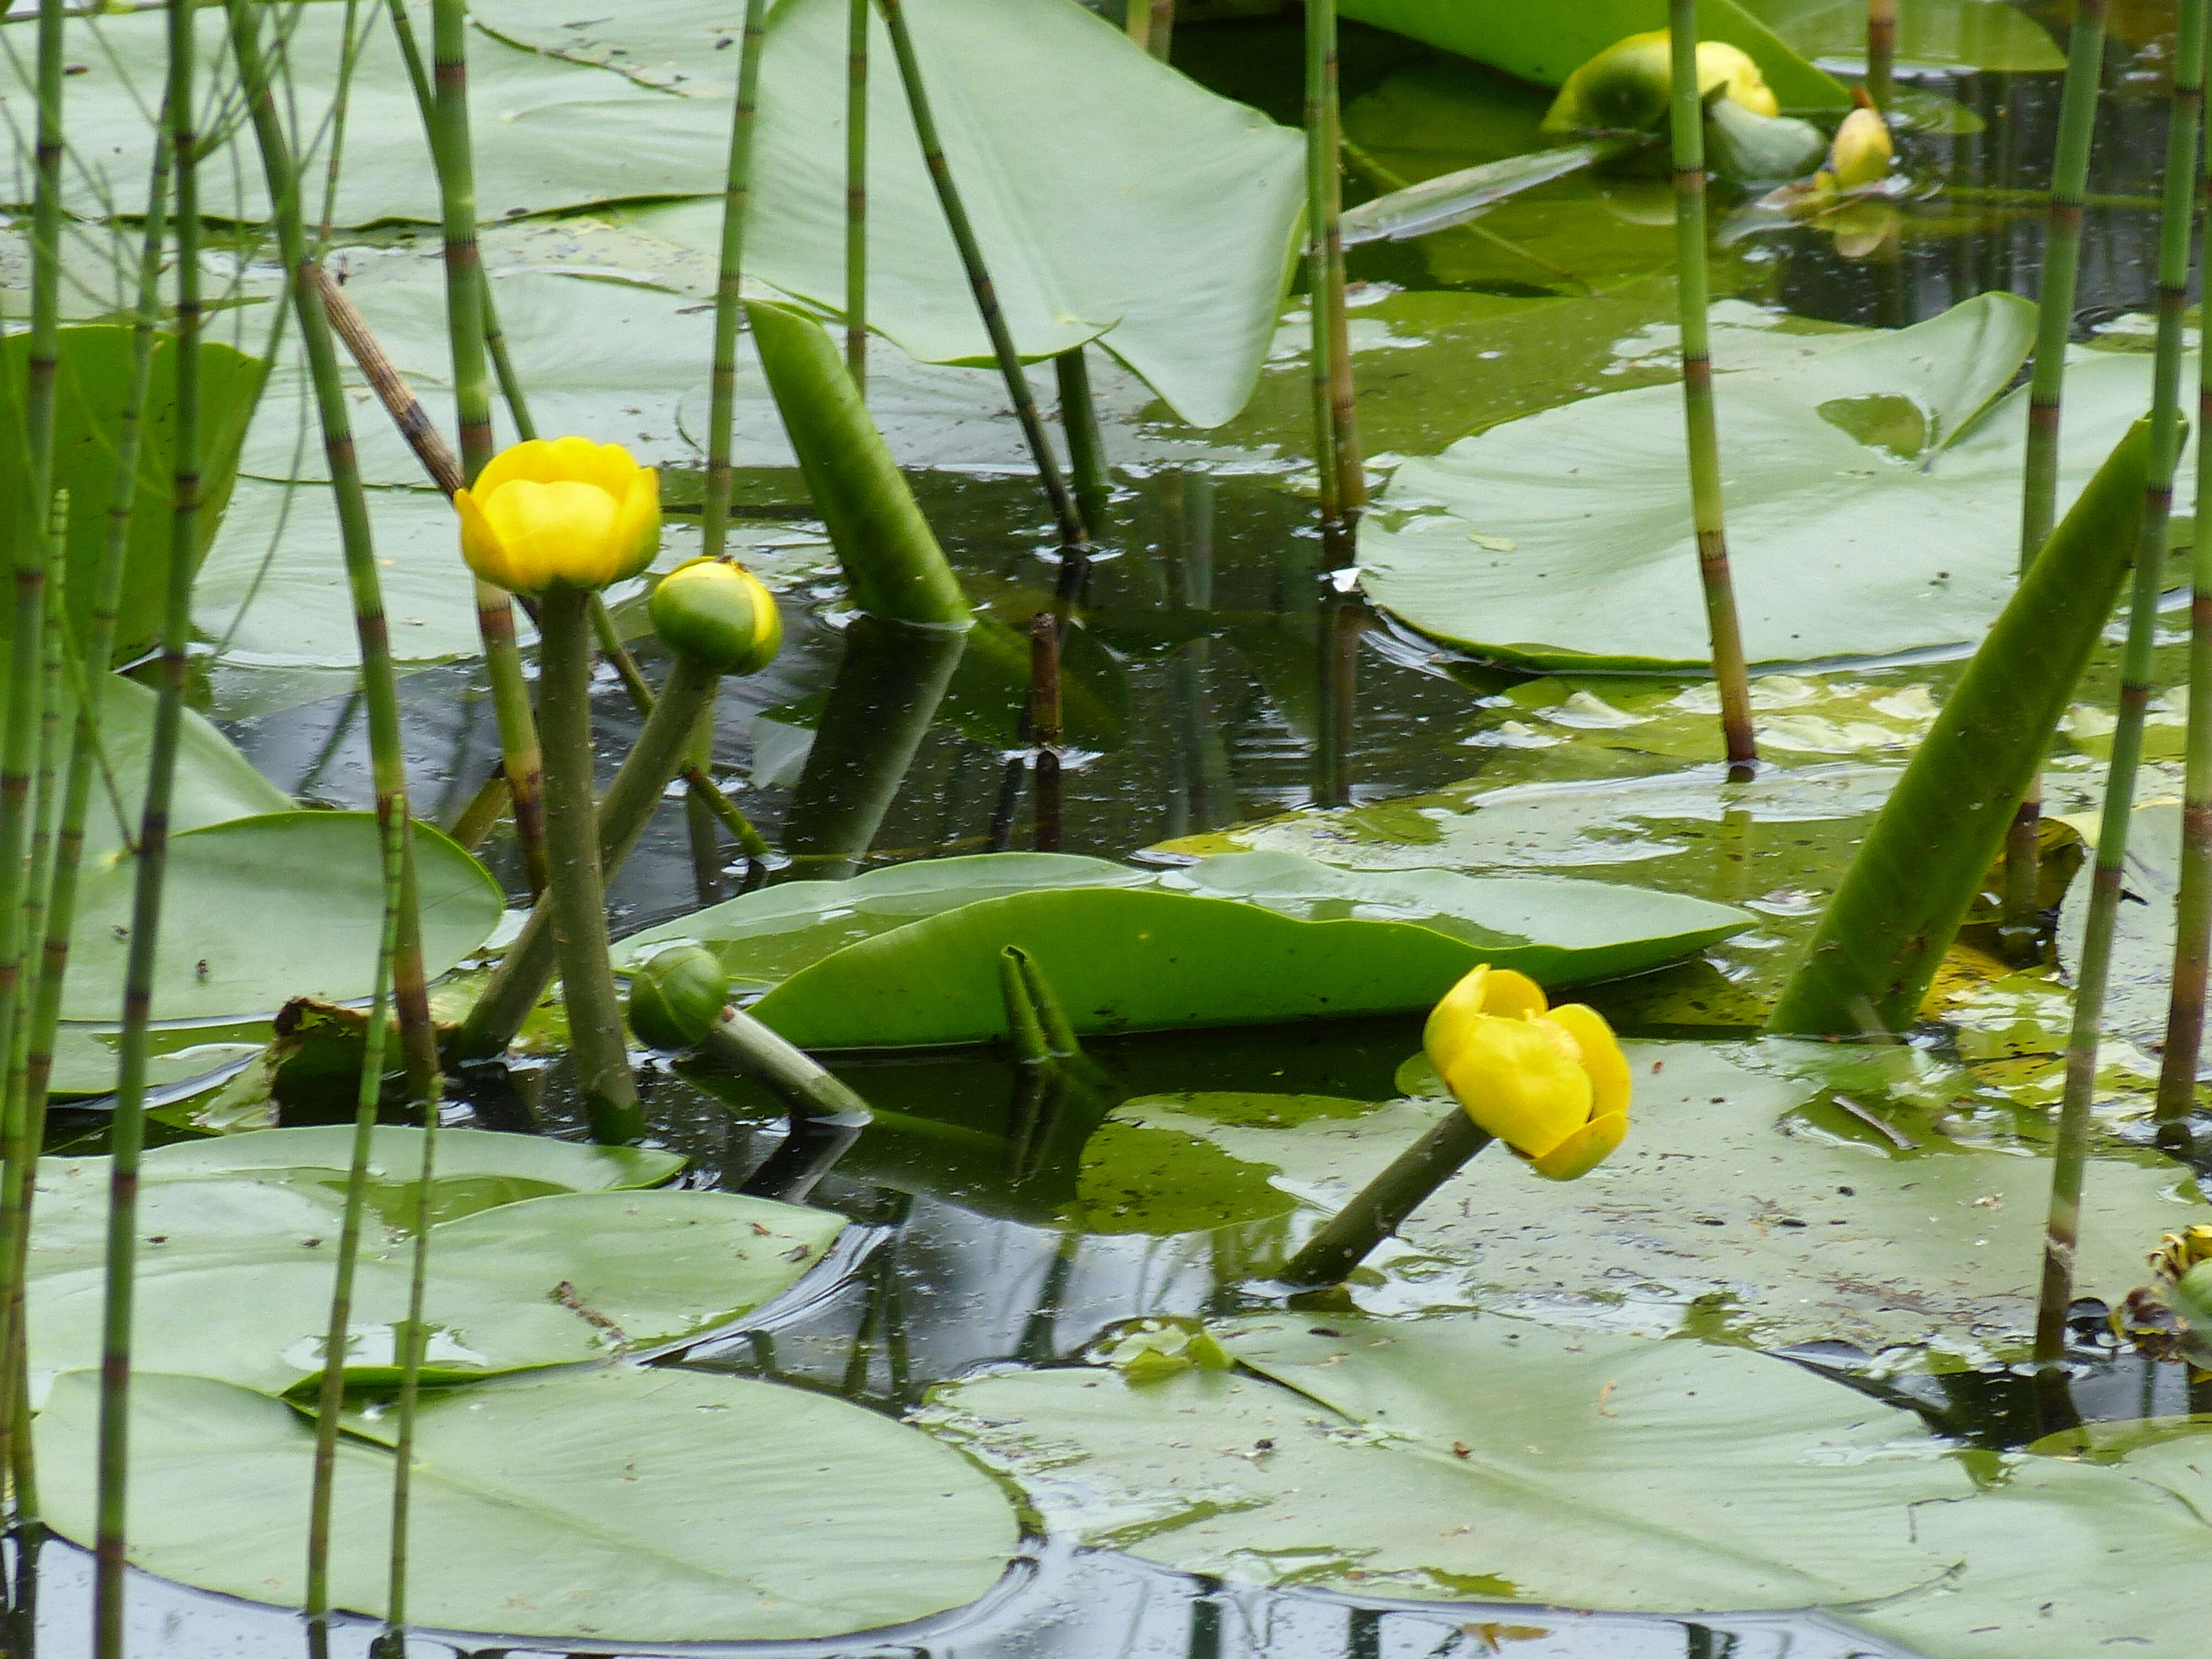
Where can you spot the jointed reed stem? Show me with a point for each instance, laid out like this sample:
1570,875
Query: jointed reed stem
1881,53
729,308
1086,444
1075,546
1706,508
856,195
2038,508
2192,940
2070,1154
1337,449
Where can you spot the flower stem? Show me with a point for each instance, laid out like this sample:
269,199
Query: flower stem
2038,508
856,195
1075,546
729,299
1377,1210
2192,940
532,960
2070,1154
1336,414
580,915
1707,511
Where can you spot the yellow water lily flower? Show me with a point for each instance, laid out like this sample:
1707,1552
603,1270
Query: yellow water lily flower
1629,85
560,512
1551,1082
1860,155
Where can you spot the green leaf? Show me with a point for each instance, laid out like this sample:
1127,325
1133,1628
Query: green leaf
1478,1458
239,1288
95,375
257,911
214,783
1900,904
1869,512
1546,44
1745,1204
617,1504
1228,942
1113,198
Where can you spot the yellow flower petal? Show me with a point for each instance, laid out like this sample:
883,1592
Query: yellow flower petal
480,543
637,529
1483,990
553,534
1718,62
1584,1150
556,461
1602,1057
1519,1083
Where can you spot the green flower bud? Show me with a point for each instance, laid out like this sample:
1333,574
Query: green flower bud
1628,85
718,614
676,997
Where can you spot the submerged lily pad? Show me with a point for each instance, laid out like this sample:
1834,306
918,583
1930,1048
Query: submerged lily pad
1870,505
1478,1458
259,910
910,956
616,1504
237,1293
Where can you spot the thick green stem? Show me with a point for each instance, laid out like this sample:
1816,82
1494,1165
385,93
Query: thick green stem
856,195
1075,546
729,303
331,1396
2192,935
1881,53
741,1043
1707,512
700,827
1333,381
1086,444
531,961
2038,508
580,912
2070,1154
1375,1213
127,1136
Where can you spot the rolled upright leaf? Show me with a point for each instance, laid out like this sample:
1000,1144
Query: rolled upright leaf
1902,900
893,565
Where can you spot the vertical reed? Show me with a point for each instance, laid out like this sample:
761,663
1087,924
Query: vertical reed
729,307
1075,546
127,1137
1086,445
2070,1154
2038,510
447,122
2192,934
1044,726
856,195
1881,54
1161,35
1336,418
1707,511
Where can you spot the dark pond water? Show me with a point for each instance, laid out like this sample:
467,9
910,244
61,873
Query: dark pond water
1239,683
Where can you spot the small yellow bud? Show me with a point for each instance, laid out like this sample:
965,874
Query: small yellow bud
1861,154
560,512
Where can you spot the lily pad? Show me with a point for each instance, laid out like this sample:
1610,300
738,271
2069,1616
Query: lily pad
1451,1459
1744,1200
259,910
213,784
1969,34
246,1296
2138,996
617,1504
1113,198
1870,507
909,958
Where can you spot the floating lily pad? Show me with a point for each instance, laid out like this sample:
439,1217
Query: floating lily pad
213,784
257,911
1477,1459
617,1504
1113,198
1870,507
910,956
245,1295
1970,34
